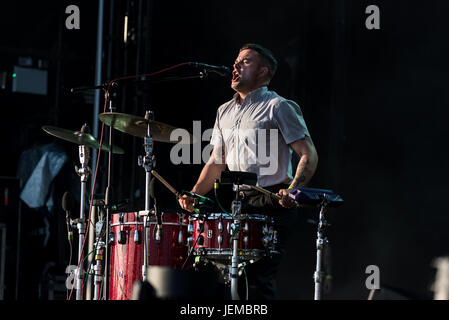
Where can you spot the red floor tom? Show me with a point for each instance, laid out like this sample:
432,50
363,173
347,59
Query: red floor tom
166,248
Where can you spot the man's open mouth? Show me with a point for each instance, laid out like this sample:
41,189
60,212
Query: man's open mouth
235,76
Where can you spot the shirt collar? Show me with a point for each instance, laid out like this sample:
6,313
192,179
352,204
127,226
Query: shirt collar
253,95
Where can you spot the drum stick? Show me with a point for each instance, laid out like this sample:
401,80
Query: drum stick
165,183
274,195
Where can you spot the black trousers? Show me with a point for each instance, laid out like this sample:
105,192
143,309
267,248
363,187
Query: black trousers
258,280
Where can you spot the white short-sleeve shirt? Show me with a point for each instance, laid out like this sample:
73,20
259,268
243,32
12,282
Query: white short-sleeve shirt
256,135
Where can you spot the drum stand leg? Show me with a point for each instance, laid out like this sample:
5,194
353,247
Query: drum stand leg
83,172
147,163
321,244
97,268
233,272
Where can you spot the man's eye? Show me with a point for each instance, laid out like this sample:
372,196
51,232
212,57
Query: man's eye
245,61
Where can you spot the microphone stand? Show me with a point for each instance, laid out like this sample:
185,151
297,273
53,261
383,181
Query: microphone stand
201,75
103,86
108,202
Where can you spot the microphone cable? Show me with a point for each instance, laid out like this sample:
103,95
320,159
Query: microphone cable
216,185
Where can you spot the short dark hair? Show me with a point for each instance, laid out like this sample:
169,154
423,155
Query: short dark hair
266,55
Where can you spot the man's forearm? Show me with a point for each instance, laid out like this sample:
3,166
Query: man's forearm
303,172
307,162
209,174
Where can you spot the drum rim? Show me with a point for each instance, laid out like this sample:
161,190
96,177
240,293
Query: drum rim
218,215
227,252
151,221
116,224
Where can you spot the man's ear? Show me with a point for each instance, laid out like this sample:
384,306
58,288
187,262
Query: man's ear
263,72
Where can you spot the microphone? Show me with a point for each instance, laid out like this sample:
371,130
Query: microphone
67,202
202,199
119,206
113,207
221,70
103,86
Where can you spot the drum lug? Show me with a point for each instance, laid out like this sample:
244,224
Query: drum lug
180,237
246,227
157,236
245,241
220,227
137,238
121,237
111,237
190,241
220,240
190,228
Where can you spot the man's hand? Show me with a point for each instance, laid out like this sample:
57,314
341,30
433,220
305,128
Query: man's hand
285,201
186,203
211,172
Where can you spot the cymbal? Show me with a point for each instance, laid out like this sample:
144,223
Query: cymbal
137,126
80,138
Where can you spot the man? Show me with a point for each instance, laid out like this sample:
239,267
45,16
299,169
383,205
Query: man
238,144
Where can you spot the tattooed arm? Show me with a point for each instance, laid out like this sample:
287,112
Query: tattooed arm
307,163
305,169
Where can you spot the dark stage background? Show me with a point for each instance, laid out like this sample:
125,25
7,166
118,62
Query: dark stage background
375,102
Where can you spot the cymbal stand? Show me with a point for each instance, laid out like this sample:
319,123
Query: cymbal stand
321,244
83,172
147,163
233,271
